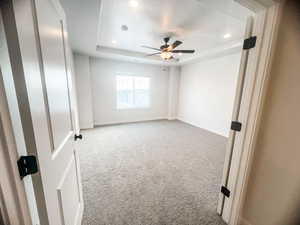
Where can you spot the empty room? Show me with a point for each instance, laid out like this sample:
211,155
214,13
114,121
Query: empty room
139,112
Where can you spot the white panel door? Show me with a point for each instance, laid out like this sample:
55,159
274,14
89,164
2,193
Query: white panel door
41,70
59,165
41,67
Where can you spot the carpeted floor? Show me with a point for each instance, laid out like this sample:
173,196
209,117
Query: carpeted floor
151,173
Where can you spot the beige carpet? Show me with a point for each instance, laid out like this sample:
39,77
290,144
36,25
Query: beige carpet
151,173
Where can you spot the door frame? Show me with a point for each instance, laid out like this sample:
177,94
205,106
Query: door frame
14,208
267,14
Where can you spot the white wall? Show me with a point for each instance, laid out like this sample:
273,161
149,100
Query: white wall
200,93
84,91
104,71
207,91
174,80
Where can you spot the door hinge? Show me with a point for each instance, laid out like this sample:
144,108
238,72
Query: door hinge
236,126
27,165
79,136
225,191
249,43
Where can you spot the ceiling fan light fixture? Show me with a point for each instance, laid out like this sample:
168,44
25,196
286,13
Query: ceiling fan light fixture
167,51
166,55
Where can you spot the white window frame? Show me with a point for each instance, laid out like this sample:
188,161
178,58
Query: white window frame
134,106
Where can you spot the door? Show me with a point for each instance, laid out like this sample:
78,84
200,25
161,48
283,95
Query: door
60,162
230,170
41,64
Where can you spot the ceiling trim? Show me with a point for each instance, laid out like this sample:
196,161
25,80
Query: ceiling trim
206,55
214,53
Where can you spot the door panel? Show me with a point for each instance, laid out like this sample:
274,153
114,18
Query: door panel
68,194
61,178
55,73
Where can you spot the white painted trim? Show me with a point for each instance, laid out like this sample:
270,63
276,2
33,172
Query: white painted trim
254,117
13,201
265,27
245,108
129,121
228,163
195,125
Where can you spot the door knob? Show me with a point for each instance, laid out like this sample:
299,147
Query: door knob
79,136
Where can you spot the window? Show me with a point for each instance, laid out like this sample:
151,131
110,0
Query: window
133,92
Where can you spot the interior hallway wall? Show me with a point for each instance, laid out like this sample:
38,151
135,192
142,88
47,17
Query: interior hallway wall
207,91
273,196
104,72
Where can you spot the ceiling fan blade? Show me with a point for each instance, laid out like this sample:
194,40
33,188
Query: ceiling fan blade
183,51
176,44
157,49
157,53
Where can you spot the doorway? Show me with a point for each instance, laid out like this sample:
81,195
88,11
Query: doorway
39,196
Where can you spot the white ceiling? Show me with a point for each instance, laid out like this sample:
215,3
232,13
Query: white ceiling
200,24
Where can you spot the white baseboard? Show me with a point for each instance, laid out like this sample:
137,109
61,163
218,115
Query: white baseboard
195,125
129,121
86,128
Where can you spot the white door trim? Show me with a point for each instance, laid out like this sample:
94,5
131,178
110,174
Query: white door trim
235,117
13,202
266,19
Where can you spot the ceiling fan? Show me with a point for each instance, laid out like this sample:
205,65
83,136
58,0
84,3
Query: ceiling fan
166,50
